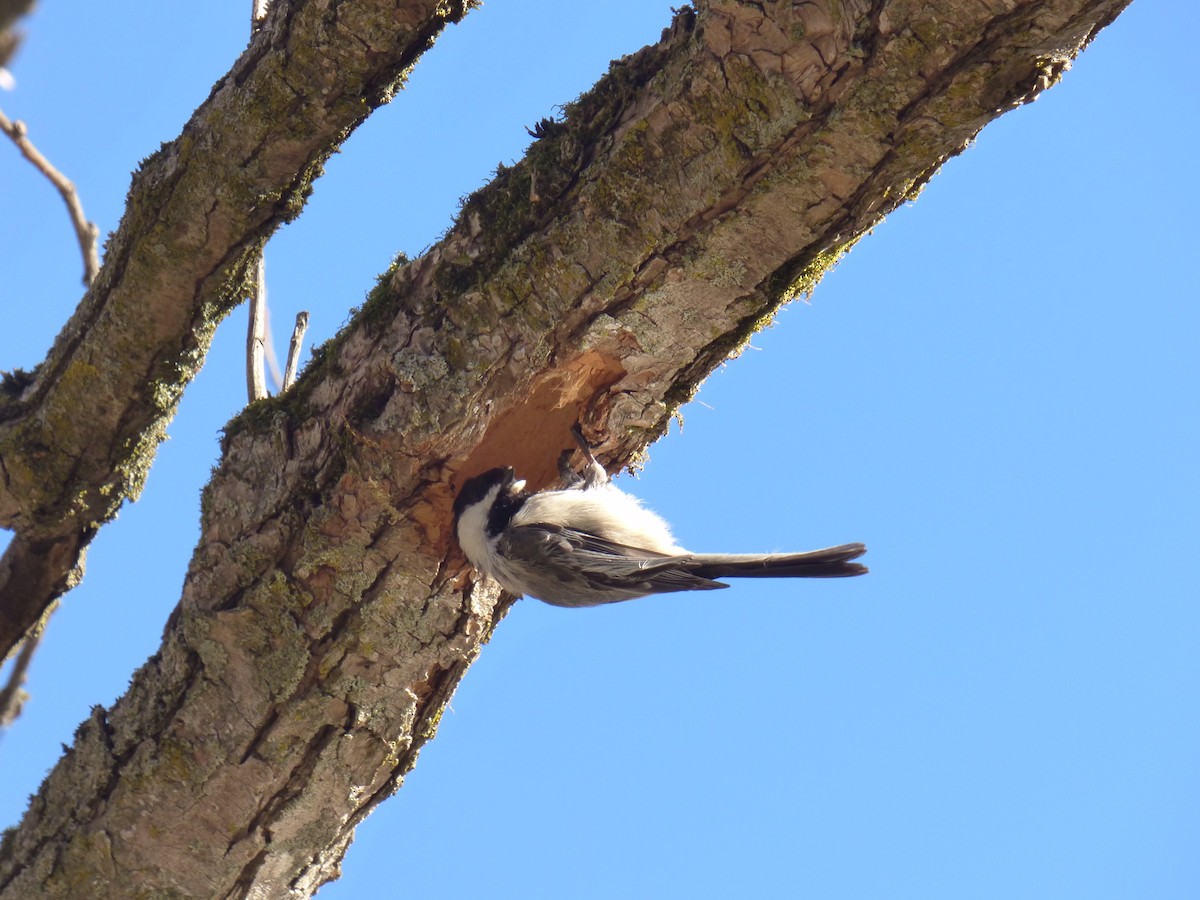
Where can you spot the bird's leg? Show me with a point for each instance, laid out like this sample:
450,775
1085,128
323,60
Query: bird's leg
569,477
594,475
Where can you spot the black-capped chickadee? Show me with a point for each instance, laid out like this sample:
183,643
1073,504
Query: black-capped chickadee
591,543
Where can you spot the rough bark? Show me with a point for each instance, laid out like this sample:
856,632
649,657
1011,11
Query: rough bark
78,435
326,615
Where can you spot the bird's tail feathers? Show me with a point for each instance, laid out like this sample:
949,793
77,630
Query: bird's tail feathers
832,562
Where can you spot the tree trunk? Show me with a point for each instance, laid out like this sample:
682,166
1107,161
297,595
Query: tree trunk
327,614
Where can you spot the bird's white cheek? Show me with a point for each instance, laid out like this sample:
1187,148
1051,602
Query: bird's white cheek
472,537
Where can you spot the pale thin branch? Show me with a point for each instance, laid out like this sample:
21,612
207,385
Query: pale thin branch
258,343
293,360
256,334
86,232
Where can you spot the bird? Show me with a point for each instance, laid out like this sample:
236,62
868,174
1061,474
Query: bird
589,543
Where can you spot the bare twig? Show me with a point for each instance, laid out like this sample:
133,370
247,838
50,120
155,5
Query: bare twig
256,379
85,231
293,360
256,336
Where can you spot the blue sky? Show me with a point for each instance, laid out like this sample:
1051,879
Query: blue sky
995,390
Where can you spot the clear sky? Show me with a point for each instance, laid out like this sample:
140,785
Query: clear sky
996,391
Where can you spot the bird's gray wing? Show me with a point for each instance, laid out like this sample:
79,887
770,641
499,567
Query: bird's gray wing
578,568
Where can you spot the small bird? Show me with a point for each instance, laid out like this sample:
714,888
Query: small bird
590,543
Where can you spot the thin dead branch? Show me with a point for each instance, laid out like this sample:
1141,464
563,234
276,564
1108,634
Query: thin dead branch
256,334
85,232
293,360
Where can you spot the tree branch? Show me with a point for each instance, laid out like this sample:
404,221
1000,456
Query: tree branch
295,348
256,334
31,570
326,616
179,261
256,340
85,231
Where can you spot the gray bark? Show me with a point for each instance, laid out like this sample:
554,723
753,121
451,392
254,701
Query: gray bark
327,615
78,435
